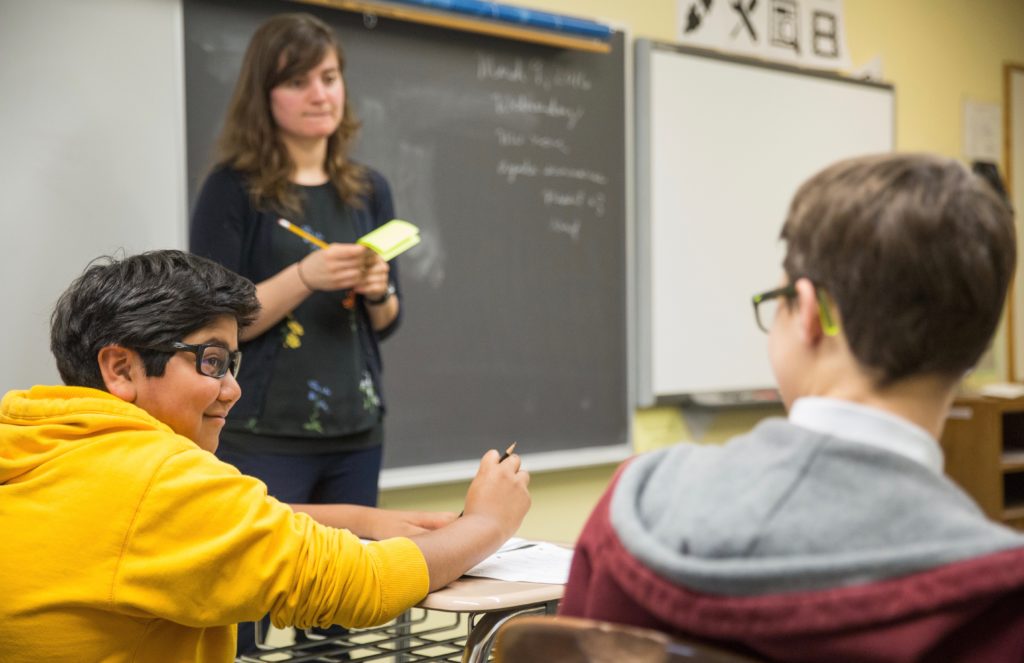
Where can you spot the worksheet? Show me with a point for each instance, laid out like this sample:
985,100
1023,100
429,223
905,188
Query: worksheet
521,560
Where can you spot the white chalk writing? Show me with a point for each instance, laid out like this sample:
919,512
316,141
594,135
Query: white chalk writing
570,228
508,138
575,198
489,69
511,170
575,173
558,77
550,143
505,104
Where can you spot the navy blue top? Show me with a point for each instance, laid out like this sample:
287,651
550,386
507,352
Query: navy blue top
227,228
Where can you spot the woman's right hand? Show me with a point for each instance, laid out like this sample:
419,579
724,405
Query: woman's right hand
337,267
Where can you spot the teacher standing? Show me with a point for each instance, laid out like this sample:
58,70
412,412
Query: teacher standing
309,423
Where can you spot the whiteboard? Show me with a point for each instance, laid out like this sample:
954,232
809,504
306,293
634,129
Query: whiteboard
92,128
722,145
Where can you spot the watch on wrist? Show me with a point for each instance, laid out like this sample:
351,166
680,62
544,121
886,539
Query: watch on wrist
383,298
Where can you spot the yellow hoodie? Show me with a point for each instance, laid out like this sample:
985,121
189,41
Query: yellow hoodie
122,541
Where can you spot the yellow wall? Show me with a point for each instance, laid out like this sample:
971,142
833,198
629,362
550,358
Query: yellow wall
936,52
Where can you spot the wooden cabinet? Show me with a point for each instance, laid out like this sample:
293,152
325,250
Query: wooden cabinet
983,442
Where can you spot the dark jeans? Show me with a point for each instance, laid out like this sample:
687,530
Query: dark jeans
345,477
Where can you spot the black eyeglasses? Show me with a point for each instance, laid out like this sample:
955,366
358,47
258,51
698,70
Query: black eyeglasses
212,359
767,303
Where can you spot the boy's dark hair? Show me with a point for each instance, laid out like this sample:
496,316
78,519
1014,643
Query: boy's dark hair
142,301
916,252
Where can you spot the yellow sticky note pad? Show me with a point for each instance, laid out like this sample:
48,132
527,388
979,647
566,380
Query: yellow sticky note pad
394,237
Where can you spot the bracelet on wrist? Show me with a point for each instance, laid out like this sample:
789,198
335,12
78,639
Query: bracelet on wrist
298,267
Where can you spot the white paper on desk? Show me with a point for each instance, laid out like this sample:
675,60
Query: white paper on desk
525,561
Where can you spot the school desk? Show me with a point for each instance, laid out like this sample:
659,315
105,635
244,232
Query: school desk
467,615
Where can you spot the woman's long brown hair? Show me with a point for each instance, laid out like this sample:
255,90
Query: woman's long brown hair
285,46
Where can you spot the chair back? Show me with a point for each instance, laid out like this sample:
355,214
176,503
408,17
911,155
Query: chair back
574,640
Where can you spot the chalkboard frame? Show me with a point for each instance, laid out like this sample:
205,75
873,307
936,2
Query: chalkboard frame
610,445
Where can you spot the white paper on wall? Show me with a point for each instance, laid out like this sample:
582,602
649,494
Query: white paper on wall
807,33
983,131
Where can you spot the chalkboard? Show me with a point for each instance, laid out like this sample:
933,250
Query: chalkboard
722,145
510,157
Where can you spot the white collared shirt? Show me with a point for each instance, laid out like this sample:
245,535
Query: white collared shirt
867,425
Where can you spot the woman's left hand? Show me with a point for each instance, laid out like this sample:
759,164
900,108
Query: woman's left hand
374,283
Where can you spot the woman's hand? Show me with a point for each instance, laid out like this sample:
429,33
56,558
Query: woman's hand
375,277
373,288
337,267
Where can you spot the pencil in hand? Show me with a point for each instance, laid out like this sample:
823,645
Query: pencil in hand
312,239
505,454
350,297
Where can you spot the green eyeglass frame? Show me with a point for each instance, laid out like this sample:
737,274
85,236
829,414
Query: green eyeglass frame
829,325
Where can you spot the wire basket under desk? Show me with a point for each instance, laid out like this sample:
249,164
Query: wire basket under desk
418,636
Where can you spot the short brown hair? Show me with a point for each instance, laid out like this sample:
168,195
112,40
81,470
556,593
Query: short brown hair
283,47
915,251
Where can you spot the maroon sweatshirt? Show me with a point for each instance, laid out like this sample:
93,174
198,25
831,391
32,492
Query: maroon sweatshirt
968,610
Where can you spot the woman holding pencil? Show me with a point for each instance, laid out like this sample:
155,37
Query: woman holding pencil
309,423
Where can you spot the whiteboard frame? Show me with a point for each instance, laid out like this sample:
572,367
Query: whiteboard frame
648,391
1013,160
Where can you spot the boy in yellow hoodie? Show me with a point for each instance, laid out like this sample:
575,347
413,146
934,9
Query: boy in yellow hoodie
125,539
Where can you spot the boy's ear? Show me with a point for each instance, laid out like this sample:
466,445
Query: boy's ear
118,366
807,316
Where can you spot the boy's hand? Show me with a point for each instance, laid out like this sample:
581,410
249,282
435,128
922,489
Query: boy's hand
496,503
388,523
499,492
369,522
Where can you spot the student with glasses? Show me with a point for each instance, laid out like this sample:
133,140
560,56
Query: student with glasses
833,534
125,538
